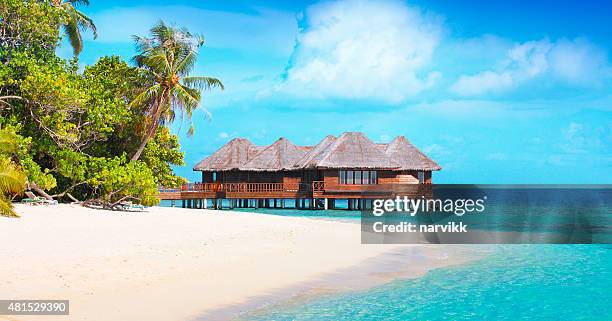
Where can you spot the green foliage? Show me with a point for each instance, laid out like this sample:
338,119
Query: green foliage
75,126
110,180
118,181
160,152
12,178
71,132
21,150
30,27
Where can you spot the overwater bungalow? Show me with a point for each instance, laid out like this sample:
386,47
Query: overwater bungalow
349,167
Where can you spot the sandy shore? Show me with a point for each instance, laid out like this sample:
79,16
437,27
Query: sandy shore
172,264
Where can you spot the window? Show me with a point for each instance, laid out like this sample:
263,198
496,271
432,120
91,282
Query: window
349,178
214,176
357,177
421,176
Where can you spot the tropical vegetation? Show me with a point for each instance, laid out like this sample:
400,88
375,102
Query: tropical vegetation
12,178
166,59
99,134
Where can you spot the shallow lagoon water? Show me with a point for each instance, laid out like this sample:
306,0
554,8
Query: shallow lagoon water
517,282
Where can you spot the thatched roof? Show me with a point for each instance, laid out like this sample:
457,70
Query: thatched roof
311,159
408,156
355,150
230,156
350,150
281,155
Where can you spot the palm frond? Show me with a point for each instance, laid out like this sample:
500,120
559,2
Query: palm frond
6,208
12,178
157,60
77,20
169,116
74,36
184,99
146,96
186,62
83,2
203,83
85,22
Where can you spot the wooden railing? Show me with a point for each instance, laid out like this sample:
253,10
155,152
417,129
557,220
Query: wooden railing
264,187
318,186
163,189
245,187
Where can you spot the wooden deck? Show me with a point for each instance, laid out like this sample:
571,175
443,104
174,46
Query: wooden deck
315,195
315,190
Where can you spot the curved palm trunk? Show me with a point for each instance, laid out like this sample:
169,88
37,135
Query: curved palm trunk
151,131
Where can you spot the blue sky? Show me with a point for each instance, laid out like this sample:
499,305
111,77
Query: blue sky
514,92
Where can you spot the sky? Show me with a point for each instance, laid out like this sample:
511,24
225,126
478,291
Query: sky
515,92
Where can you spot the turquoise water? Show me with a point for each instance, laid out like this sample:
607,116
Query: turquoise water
339,214
517,282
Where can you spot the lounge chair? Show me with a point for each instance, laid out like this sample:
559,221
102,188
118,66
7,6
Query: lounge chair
129,206
37,200
32,199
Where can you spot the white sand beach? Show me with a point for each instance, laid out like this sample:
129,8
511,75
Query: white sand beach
170,263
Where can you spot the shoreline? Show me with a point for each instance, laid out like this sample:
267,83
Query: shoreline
181,264
398,264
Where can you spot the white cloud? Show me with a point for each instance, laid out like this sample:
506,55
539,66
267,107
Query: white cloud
582,138
522,62
579,62
224,136
363,49
576,62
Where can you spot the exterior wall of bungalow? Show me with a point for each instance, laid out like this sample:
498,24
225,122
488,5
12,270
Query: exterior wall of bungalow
330,177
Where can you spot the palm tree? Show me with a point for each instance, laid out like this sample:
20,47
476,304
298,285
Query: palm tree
76,22
167,58
12,178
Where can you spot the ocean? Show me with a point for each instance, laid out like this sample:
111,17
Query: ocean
516,282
